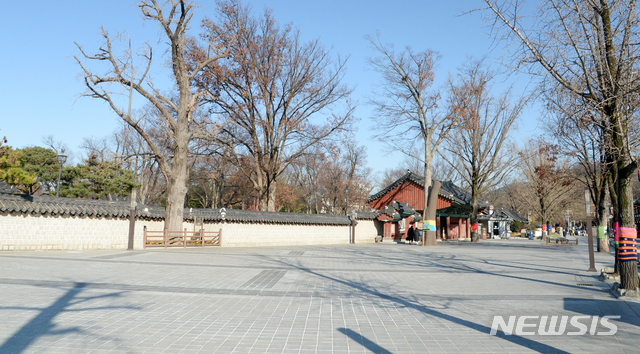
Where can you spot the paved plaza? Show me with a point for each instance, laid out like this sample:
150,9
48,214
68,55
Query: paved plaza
375,298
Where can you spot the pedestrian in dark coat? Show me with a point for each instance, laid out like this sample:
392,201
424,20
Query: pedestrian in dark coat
411,234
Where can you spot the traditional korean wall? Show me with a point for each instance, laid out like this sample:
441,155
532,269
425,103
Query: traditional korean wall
64,232
367,230
29,231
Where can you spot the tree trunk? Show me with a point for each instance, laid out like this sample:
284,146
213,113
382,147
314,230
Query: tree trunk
271,198
474,214
176,192
267,197
603,218
628,270
629,275
428,237
613,194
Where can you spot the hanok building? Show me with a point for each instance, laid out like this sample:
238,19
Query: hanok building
497,223
401,203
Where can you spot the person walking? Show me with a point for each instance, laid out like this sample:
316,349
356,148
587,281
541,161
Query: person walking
411,234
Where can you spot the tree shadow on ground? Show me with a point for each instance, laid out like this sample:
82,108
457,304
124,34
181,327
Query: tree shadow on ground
449,262
628,310
43,323
410,304
363,341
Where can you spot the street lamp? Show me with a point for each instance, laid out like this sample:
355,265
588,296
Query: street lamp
346,208
62,158
587,202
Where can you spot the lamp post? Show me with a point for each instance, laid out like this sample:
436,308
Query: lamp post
62,158
346,207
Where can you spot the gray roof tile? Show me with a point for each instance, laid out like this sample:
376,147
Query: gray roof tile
73,206
447,190
501,214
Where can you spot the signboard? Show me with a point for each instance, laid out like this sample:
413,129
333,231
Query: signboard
430,225
587,202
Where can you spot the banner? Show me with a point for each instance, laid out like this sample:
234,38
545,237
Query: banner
429,225
601,232
474,227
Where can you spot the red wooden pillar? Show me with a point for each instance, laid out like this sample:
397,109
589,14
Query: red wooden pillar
438,228
448,229
468,224
396,234
459,228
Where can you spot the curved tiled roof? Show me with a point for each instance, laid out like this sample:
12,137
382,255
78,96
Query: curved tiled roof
8,189
21,203
367,215
501,214
236,215
447,190
56,206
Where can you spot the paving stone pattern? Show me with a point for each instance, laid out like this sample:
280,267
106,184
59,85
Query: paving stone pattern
375,298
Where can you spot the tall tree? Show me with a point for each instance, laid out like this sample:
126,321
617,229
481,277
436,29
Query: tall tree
549,184
42,163
306,173
583,140
130,150
590,48
97,179
271,95
174,113
11,170
477,146
406,106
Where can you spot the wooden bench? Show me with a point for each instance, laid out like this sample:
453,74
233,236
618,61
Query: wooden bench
199,238
562,241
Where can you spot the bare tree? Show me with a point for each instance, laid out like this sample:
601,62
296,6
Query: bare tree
59,147
354,160
406,106
549,180
306,174
174,113
510,196
477,146
133,153
583,140
271,95
590,48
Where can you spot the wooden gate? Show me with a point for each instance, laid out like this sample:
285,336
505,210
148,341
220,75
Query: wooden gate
199,238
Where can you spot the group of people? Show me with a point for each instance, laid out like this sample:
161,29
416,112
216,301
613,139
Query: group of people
413,235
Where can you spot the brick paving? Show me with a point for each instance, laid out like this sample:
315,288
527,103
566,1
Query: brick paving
376,298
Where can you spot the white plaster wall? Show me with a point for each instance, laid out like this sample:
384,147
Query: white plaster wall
263,234
45,232
366,231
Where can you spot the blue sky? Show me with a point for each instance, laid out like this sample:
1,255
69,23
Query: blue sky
41,82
